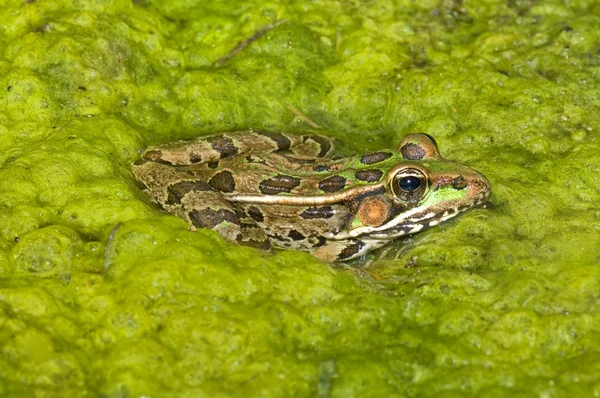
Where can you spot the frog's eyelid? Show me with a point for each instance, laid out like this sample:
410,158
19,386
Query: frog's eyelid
431,138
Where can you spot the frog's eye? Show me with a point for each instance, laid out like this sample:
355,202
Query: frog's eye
409,184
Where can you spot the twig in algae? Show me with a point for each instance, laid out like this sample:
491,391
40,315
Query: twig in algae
248,41
109,249
303,117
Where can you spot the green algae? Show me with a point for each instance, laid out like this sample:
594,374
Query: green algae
102,294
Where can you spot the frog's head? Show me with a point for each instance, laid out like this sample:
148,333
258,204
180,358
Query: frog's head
421,190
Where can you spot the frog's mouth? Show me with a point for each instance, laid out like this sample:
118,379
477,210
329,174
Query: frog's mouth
425,221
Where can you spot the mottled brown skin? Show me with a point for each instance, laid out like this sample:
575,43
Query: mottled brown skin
259,189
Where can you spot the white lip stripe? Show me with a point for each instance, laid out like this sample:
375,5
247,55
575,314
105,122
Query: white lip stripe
398,220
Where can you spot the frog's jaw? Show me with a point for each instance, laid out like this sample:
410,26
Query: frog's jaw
451,193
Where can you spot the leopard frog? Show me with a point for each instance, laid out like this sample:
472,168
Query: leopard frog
261,189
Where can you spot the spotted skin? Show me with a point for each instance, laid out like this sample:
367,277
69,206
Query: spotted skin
255,213
281,183
217,147
176,192
221,144
332,184
187,197
412,151
263,188
223,182
295,235
371,175
281,141
321,168
373,158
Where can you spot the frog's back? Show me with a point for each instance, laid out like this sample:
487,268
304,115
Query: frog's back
277,174
213,148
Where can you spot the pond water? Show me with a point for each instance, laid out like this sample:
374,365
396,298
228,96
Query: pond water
102,294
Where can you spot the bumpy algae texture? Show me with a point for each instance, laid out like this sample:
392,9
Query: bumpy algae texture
101,294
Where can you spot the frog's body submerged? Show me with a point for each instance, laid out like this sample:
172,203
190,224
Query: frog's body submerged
287,190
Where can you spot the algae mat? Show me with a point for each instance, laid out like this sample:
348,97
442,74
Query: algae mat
502,301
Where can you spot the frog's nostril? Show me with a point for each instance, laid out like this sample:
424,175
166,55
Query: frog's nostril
459,182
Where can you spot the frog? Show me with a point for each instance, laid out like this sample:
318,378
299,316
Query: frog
273,189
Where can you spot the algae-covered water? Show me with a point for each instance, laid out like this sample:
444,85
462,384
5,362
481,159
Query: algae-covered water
102,294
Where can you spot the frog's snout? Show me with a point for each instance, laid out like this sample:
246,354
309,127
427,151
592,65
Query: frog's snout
479,187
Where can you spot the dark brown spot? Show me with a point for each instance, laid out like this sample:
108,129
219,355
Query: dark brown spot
278,184
280,140
372,175
209,218
255,214
223,182
155,155
376,157
450,211
317,212
321,168
213,165
332,184
351,249
9,89
412,152
295,235
323,142
459,183
178,190
223,145
195,158
82,88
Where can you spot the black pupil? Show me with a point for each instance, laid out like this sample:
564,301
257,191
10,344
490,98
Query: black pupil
410,183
